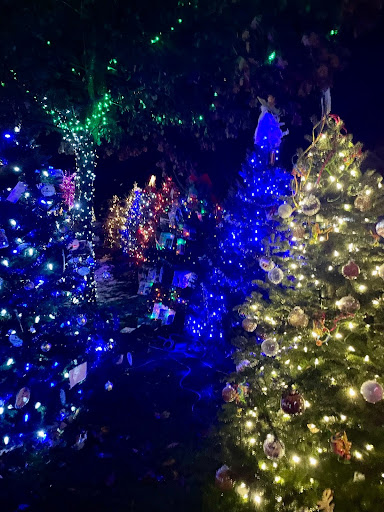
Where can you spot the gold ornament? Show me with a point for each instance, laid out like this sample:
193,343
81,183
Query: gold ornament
249,325
297,318
325,503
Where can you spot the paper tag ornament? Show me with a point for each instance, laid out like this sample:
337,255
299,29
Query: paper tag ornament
129,358
22,398
17,192
63,398
48,190
15,340
3,240
77,374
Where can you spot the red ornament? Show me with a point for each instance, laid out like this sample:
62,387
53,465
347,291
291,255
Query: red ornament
229,393
351,270
292,402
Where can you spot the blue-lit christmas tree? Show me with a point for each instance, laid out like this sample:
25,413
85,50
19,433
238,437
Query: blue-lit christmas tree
48,341
237,256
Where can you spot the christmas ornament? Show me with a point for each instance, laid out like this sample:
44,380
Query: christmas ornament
48,190
273,448
380,228
341,446
241,392
292,402
381,271
242,365
325,504
363,202
3,240
371,391
298,232
81,319
46,347
297,318
348,305
266,264
248,325
310,205
242,490
29,285
22,398
74,245
270,347
108,386
351,270
285,210
276,275
223,478
15,340
83,271
229,393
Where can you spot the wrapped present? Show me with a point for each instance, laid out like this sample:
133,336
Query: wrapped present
165,240
184,279
151,274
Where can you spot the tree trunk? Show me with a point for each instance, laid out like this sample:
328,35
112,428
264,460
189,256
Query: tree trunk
83,213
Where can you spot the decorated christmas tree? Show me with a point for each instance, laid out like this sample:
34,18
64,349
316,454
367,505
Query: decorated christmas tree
302,430
48,341
246,223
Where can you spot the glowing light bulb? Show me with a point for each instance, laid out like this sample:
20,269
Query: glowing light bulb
351,392
312,461
296,459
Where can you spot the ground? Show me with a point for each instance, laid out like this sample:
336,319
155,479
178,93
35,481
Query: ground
148,445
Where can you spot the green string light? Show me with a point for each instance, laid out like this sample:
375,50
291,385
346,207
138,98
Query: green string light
271,57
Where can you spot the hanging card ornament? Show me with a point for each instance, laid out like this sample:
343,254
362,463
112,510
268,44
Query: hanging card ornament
48,190
108,386
22,398
63,397
363,202
3,240
77,374
129,358
381,271
15,340
17,192
1,283
298,232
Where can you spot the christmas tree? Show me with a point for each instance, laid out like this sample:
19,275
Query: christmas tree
247,221
303,429
47,339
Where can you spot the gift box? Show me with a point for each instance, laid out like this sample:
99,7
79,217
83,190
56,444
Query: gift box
165,240
184,279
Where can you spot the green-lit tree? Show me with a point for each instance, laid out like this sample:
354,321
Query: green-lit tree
310,429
